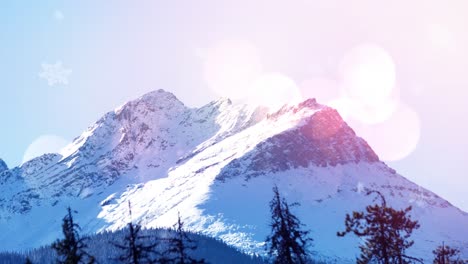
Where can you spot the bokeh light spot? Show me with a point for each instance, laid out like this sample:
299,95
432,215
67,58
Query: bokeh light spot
274,90
344,106
367,74
44,144
394,139
230,67
374,114
322,89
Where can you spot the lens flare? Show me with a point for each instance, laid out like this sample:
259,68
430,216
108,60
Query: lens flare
273,90
367,75
230,66
345,107
394,139
374,114
322,89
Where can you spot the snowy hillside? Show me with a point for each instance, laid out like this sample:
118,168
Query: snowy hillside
216,165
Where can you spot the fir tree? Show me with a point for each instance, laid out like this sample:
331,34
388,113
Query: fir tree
386,232
28,261
135,250
287,242
71,249
179,245
446,255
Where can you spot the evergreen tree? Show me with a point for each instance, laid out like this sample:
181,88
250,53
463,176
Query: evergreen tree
71,249
386,232
137,248
28,261
179,245
287,242
446,255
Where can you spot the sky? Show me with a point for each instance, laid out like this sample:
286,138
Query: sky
395,70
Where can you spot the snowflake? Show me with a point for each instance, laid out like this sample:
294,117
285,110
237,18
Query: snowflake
55,73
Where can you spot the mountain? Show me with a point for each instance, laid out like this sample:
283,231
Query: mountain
216,165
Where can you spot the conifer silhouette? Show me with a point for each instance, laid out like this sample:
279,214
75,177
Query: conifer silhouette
287,242
137,249
71,249
386,232
446,255
179,245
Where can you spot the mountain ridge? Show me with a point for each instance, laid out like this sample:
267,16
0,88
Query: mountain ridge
166,157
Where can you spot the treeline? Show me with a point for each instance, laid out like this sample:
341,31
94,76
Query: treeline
132,245
385,232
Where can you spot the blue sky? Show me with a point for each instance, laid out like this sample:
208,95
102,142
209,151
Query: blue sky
119,50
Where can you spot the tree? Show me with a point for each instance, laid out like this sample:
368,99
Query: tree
446,255
179,245
28,261
71,249
287,242
386,232
135,250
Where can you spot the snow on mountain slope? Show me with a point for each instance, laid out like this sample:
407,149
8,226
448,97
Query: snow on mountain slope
135,143
216,165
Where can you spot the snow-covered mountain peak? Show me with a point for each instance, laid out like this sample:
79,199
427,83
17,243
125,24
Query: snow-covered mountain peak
215,165
307,108
311,135
221,102
153,101
311,102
